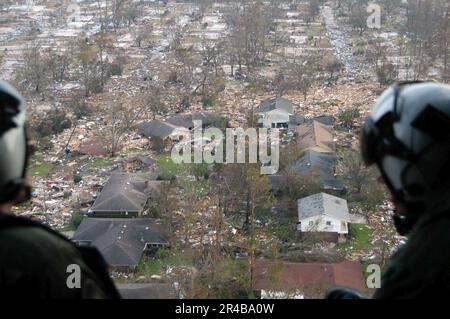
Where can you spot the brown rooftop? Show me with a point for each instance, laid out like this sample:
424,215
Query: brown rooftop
312,279
315,136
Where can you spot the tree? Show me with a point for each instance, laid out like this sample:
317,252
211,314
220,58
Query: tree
361,182
120,119
103,43
154,101
358,16
144,34
332,66
246,190
386,73
36,69
87,59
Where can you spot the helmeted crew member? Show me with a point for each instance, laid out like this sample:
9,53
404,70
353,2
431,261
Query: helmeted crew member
35,261
407,136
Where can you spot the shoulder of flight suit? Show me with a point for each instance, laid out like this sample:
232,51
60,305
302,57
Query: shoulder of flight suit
34,262
420,268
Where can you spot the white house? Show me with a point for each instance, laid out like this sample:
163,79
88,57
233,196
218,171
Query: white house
323,213
275,113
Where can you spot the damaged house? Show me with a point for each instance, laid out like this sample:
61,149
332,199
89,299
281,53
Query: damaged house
276,112
288,280
122,241
323,213
125,195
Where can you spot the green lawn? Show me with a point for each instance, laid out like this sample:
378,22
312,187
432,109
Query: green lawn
41,170
360,237
100,162
154,267
169,167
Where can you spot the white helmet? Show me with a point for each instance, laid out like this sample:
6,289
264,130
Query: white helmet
408,136
13,144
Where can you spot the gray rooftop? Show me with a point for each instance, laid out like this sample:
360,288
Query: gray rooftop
323,204
324,163
186,120
278,103
156,128
125,192
146,291
121,241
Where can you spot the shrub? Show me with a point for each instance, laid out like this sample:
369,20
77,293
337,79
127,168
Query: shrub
80,108
158,144
77,218
77,179
52,123
348,115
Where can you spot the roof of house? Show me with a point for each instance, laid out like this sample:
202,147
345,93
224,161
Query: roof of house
186,120
276,103
315,136
125,192
323,204
325,165
147,291
313,279
121,241
157,128
324,119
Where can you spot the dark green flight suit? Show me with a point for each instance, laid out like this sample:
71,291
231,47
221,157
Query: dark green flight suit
420,268
34,263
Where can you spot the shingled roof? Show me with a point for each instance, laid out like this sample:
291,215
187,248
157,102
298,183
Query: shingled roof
323,204
186,120
157,128
121,241
276,103
125,192
315,136
325,165
312,279
147,291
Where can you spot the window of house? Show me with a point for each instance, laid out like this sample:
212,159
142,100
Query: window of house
328,223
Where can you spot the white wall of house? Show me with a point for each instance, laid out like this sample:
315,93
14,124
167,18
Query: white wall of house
323,223
274,117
